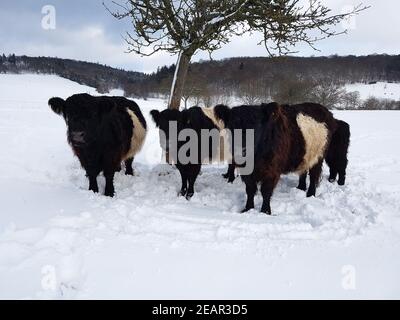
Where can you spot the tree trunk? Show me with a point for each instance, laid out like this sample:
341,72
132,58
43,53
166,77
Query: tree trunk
178,83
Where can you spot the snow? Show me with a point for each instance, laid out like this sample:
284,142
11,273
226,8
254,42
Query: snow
220,17
60,241
384,90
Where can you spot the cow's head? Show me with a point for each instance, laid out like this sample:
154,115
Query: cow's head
167,120
250,127
83,119
236,121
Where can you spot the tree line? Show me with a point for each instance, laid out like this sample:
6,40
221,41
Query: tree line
285,79
242,79
101,77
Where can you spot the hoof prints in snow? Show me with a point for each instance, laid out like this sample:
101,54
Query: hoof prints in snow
146,206
147,211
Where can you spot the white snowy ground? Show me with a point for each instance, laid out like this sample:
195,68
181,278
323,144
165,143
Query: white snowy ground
58,240
382,90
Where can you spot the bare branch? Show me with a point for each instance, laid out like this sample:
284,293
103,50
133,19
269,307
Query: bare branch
187,26
191,25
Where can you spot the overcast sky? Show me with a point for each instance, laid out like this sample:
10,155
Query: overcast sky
86,31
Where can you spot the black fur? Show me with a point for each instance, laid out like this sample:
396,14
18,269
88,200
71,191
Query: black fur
230,174
192,118
336,157
57,105
99,131
222,112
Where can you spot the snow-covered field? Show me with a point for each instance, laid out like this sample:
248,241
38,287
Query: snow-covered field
383,90
58,240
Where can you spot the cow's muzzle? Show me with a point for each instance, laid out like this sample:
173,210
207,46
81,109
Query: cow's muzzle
77,137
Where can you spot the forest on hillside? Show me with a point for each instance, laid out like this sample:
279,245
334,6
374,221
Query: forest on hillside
101,77
246,79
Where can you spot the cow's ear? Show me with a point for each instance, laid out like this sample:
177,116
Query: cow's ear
155,114
57,105
223,113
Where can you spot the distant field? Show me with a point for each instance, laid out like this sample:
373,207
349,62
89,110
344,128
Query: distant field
378,90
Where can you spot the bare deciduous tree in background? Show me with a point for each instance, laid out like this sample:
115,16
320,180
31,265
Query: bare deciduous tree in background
185,26
328,93
291,89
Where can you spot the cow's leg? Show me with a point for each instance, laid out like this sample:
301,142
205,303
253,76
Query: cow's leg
342,177
331,159
93,182
315,173
302,182
332,174
184,179
267,188
109,190
128,167
192,173
251,190
337,166
230,174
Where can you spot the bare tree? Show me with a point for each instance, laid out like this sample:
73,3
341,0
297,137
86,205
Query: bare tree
351,100
254,91
292,89
193,88
185,26
328,93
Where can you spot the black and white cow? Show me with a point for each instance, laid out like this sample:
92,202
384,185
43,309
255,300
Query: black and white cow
287,139
102,132
336,155
196,119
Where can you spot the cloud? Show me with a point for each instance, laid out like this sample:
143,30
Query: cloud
86,31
